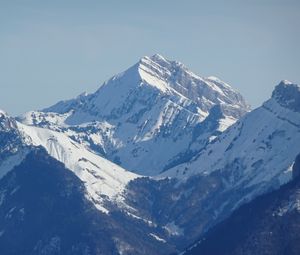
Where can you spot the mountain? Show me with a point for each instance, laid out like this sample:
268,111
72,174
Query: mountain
155,158
44,210
12,147
65,199
103,179
149,118
258,151
253,156
268,225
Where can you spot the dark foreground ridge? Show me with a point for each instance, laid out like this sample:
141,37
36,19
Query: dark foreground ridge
269,225
44,211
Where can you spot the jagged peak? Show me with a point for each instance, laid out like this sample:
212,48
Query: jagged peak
285,82
155,58
158,69
83,94
168,77
287,94
3,113
159,60
6,122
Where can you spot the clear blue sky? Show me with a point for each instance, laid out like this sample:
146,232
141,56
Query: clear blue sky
53,50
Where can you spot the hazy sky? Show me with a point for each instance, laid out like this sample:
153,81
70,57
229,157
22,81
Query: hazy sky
53,50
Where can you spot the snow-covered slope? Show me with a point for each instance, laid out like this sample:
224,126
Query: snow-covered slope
259,150
102,178
148,118
252,157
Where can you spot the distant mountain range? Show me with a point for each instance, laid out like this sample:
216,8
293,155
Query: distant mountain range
155,160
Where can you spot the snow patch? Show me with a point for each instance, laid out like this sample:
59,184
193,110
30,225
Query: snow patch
173,229
158,238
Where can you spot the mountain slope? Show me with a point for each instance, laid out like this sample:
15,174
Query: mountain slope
252,157
34,185
154,110
44,210
269,224
258,150
12,147
248,159
103,179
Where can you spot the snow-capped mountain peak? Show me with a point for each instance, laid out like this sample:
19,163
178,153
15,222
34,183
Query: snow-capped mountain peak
153,105
160,76
173,76
6,122
2,113
287,94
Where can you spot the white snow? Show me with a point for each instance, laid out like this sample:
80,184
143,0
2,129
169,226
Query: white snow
173,229
292,205
100,176
158,238
3,112
150,108
33,117
226,123
260,148
123,247
148,222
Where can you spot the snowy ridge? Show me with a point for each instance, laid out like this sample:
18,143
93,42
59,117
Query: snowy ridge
51,120
102,178
2,113
258,150
153,110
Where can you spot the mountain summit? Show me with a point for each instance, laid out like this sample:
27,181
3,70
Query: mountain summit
157,109
287,94
161,77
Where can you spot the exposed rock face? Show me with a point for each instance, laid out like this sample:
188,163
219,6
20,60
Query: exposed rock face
287,94
10,139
